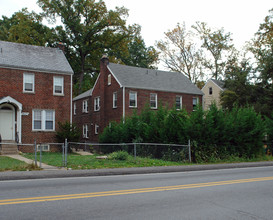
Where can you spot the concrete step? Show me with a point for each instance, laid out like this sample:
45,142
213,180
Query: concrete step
10,147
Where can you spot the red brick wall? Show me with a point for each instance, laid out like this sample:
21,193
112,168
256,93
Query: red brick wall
107,113
81,118
166,99
11,84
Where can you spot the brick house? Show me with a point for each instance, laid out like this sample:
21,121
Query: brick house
35,92
120,89
212,92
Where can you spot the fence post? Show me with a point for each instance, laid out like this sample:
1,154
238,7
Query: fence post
40,155
189,144
135,150
35,150
65,152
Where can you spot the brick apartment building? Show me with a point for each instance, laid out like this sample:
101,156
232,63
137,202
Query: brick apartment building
120,89
35,92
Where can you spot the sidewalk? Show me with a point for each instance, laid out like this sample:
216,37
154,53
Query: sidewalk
61,173
29,161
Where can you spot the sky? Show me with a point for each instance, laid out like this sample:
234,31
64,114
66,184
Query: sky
239,17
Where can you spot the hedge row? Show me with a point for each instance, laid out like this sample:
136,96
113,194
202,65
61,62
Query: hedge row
214,133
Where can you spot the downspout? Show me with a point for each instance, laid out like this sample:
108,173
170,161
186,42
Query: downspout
71,97
123,107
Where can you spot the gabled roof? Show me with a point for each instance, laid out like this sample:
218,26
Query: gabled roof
33,58
219,83
86,94
141,78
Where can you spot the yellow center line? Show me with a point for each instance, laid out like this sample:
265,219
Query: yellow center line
128,191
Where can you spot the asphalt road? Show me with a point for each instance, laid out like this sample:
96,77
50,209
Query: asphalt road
241,193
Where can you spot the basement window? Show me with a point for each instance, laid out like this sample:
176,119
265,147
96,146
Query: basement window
43,147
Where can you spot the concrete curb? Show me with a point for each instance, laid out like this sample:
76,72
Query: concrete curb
20,175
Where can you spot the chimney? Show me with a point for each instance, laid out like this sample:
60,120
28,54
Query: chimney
61,46
105,60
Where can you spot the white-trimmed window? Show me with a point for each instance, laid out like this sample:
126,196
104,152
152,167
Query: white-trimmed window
58,85
195,102
153,100
29,82
85,106
97,129
85,131
109,79
75,108
43,147
132,99
115,100
97,104
43,120
178,102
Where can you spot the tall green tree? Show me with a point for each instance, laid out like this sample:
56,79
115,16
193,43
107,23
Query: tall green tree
133,52
88,31
262,48
238,90
218,44
26,27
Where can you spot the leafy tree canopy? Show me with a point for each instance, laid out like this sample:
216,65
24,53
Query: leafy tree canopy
26,27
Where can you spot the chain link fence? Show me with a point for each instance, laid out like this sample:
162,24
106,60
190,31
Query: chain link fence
171,152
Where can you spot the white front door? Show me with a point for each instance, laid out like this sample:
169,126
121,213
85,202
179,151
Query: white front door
7,124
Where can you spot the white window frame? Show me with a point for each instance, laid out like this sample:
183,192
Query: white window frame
180,102
85,131
97,129
45,147
197,102
96,104
115,99
135,99
153,101
43,119
109,79
26,80
57,83
74,108
85,106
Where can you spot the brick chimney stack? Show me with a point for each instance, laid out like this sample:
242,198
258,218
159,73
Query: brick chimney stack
61,46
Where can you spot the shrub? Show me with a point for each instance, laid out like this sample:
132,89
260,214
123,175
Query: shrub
215,134
119,155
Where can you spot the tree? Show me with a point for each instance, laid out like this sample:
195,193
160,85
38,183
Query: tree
179,53
88,31
216,42
26,27
134,52
262,48
238,90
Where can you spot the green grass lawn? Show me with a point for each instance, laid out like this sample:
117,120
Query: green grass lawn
7,164
76,161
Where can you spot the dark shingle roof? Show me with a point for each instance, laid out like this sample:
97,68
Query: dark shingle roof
35,58
141,78
218,83
83,95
